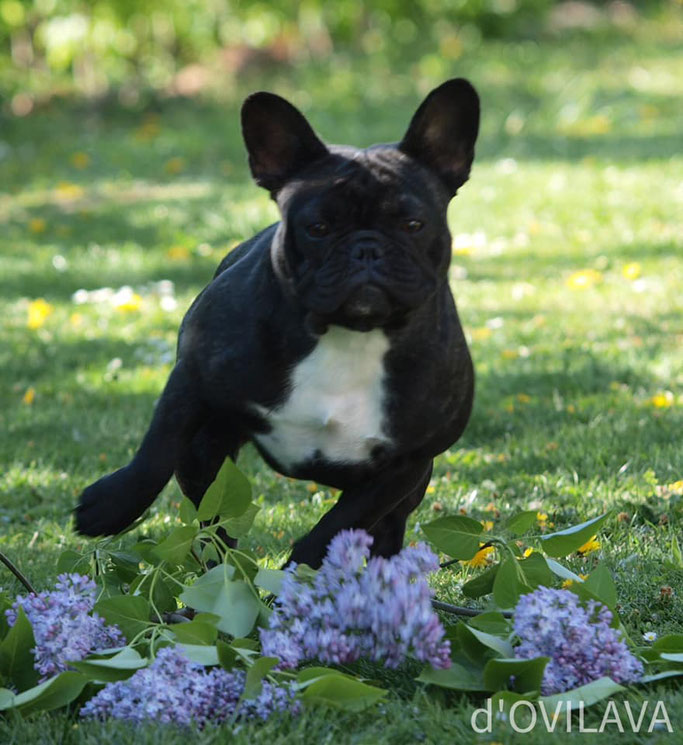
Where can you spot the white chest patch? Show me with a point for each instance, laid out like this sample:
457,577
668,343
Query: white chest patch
335,405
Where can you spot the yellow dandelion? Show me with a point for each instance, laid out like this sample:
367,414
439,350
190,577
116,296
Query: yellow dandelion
178,253
631,270
509,354
29,397
588,547
481,558
80,160
571,409
129,304
523,398
488,525
482,333
68,191
567,583
676,487
584,279
37,225
541,518
312,487
662,400
527,552
38,311
174,166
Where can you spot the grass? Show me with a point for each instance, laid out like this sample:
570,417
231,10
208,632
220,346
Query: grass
567,271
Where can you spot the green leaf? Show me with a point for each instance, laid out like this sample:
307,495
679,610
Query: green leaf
269,579
239,526
233,602
522,522
342,692
68,560
187,511
118,666
528,674
52,694
509,584
456,677
535,570
131,613
227,656
202,654
126,565
6,698
565,542
255,674
176,546
309,674
601,584
455,535
588,694
16,657
562,571
492,622
672,656
501,646
195,632
482,584
502,701
660,676
228,496
669,643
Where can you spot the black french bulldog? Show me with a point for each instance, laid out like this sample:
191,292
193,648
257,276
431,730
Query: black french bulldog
330,340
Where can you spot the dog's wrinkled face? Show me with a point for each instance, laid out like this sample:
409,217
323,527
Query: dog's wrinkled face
364,237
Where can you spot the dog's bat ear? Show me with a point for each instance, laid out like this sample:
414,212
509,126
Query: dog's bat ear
279,140
442,133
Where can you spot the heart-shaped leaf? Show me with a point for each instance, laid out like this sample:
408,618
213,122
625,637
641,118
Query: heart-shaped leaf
131,613
229,495
195,632
565,542
588,694
234,602
52,694
455,535
270,579
522,522
176,546
482,584
509,584
118,666
341,692
526,674
16,655
601,584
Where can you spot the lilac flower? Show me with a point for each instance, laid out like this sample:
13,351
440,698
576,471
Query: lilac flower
579,640
357,606
64,625
177,691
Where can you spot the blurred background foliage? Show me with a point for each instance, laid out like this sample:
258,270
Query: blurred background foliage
133,48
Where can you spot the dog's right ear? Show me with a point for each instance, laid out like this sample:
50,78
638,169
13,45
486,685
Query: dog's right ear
279,140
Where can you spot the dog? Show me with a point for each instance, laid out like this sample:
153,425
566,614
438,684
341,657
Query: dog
331,339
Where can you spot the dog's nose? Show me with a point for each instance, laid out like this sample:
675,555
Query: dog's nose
366,251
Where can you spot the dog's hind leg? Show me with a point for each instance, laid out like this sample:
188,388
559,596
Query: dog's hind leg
111,504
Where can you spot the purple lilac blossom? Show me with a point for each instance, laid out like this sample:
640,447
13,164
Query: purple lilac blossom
175,690
65,628
357,606
579,640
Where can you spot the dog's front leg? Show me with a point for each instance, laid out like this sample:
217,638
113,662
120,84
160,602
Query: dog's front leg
111,504
389,496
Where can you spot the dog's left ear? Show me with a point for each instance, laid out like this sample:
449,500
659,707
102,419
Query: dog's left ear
279,140
443,131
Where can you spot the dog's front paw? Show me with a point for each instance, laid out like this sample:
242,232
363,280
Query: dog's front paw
109,505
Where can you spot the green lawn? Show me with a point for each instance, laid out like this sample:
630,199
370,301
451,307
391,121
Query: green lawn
567,270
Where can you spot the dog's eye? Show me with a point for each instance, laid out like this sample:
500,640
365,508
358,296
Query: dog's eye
412,226
318,229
